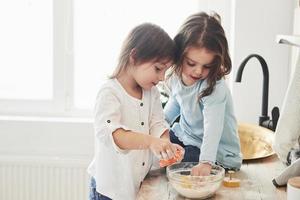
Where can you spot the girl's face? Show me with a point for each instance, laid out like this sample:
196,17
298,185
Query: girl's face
148,74
196,65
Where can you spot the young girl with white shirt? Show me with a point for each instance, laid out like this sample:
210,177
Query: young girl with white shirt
129,120
207,128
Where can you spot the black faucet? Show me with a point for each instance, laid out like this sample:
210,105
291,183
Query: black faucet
264,119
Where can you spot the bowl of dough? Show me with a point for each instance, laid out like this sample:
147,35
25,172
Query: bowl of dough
194,187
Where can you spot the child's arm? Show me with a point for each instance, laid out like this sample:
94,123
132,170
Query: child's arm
128,140
214,113
132,140
213,129
157,123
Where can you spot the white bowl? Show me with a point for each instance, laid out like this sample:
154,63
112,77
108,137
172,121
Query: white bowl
199,187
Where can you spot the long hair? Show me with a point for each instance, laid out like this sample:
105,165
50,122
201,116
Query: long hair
204,31
149,42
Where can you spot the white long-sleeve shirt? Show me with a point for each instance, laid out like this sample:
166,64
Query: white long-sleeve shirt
119,173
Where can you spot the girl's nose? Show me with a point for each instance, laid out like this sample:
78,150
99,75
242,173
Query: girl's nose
161,76
199,70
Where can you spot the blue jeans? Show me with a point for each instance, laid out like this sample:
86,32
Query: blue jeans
94,195
191,153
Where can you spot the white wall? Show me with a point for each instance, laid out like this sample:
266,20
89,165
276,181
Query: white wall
47,137
256,25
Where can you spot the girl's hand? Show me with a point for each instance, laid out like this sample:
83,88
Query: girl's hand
177,158
181,150
162,148
202,169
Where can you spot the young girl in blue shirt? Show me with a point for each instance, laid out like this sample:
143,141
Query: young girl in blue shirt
207,128
129,120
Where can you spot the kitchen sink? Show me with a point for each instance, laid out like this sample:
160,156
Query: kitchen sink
256,141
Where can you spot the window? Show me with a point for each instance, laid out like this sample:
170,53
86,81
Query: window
101,26
56,53
26,44
31,31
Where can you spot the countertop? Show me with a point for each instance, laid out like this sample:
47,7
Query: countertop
256,183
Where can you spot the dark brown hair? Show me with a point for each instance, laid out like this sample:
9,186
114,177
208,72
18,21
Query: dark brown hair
149,42
204,31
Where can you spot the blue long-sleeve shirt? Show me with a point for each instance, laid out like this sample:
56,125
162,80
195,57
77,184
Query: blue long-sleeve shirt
208,124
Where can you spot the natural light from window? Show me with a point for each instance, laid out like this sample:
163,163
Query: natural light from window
101,26
55,54
26,62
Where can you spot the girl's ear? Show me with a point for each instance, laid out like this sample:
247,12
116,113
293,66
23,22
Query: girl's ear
132,57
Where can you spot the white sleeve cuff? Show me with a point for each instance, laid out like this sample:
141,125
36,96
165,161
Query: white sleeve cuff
115,146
